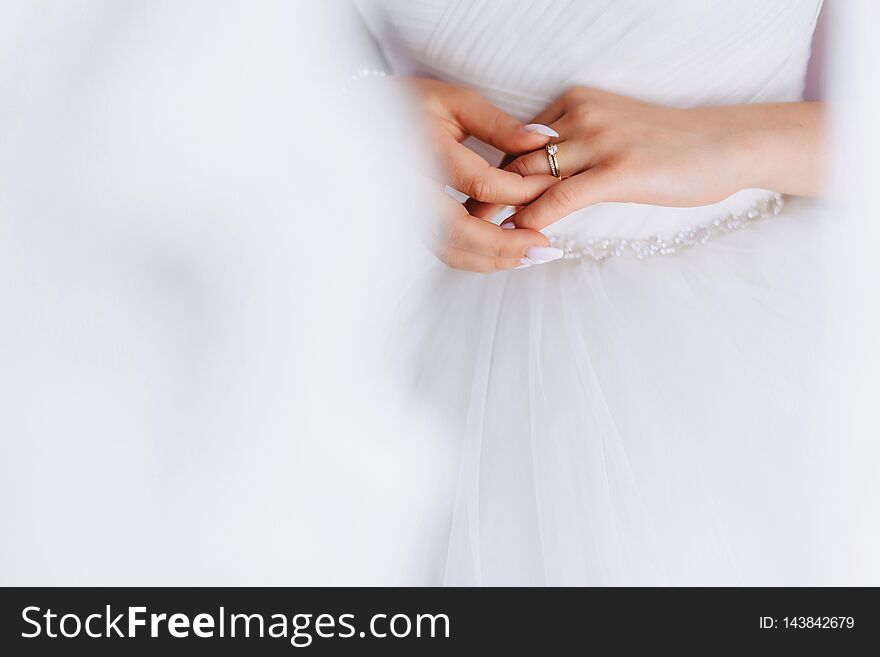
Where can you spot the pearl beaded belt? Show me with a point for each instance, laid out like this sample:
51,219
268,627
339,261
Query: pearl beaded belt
602,248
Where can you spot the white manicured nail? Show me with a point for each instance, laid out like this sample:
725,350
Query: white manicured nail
528,262
523,267
544,253
541,129
508,225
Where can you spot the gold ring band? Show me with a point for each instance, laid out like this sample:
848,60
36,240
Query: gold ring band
552,150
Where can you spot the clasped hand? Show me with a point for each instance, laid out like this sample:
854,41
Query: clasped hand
610,148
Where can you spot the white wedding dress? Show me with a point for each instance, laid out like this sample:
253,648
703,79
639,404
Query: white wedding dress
627,420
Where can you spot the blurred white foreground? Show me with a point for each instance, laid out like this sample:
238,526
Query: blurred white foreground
201,244
851,419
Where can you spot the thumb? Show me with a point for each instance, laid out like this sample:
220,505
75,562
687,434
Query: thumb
572,194
489,124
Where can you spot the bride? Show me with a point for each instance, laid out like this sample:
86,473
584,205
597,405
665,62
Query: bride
631,381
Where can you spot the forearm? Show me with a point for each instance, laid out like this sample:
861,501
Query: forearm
774,146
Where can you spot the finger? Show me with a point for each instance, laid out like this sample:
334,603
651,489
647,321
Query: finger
555,118
572,157
480,237
489,211
473,176
485,211
467,261
552,113
549,117
566,125
583,190
538,162
489,124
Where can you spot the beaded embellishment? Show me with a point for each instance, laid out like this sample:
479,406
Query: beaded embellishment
602,248
362,74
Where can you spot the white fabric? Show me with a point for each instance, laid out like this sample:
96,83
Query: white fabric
188,300
634,422
523,55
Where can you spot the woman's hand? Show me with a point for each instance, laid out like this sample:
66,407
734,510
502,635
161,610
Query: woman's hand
614,148
472,244
451,114
463,241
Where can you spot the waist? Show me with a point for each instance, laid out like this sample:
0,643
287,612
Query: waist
581,237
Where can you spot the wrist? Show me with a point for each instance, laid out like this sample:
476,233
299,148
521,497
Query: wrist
774,146
748,152
744,144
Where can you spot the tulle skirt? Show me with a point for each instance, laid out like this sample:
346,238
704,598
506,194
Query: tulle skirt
632,422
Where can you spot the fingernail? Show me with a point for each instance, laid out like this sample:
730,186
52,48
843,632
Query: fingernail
523,266
528,262
508,225
544,253
540,129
